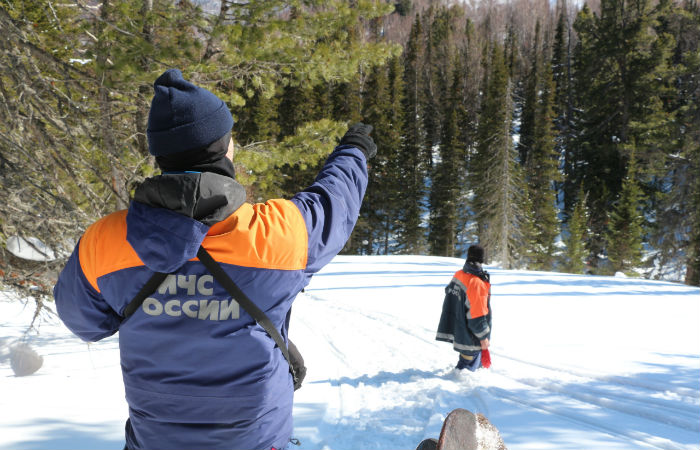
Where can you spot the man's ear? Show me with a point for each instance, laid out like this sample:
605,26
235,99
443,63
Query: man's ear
231,151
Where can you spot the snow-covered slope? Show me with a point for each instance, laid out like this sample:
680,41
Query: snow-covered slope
579,362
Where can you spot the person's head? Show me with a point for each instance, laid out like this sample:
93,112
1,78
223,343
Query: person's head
475,254
189,128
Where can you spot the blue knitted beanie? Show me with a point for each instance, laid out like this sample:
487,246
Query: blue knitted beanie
183,116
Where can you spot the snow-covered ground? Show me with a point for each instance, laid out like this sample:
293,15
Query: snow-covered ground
579,362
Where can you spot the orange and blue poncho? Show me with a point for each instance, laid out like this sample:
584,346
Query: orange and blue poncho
198,371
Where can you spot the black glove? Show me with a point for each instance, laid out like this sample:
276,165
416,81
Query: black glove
358,136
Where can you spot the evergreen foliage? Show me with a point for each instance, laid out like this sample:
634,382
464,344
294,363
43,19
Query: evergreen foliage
689,42
576,253
610,109
541,174
563,108
528,118
410,232
446,195
494,176
622,83
674,229
625,235
76,84
374,230
394,141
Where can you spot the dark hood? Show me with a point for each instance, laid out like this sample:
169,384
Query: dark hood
171,214
476,269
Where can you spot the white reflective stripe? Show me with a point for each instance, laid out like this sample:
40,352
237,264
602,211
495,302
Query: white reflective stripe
459,283
467,304
451,337
480,335
466,347
455,345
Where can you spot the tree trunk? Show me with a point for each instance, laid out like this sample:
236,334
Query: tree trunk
141,116
107,127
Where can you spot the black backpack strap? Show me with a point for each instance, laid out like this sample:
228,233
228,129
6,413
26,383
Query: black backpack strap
256,313
147,289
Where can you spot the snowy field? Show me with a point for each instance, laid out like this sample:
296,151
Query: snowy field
579,362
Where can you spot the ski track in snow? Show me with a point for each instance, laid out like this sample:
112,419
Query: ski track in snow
382,318
637,438
687,393
609,396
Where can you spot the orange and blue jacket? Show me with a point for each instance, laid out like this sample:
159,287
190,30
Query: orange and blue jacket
466,310
198,371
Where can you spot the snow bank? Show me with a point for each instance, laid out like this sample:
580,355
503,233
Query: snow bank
31,248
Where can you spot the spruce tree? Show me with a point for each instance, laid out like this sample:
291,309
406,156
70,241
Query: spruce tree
563,107
541,174
296,107
444,193
394,141
448,186
495,178
673,208
436,75
429,86
622,79
692,276
373,230
259,121
625,234
575,240
691,140
346,100
528,118
412,166
469,71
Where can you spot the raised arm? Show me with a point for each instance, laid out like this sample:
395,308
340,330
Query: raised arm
331,205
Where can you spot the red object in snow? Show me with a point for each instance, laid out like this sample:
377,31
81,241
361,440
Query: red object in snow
486,358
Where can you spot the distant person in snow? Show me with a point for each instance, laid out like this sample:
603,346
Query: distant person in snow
466,312
199,371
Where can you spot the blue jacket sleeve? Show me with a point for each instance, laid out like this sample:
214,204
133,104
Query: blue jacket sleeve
82,308
480,327
331,205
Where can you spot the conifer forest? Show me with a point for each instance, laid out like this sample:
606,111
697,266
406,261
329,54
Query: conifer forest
561,136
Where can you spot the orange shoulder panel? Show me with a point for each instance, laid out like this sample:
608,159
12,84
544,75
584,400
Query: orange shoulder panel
477,293
270,235
104,249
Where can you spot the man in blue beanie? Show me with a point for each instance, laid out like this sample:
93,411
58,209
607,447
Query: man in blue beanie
198,370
